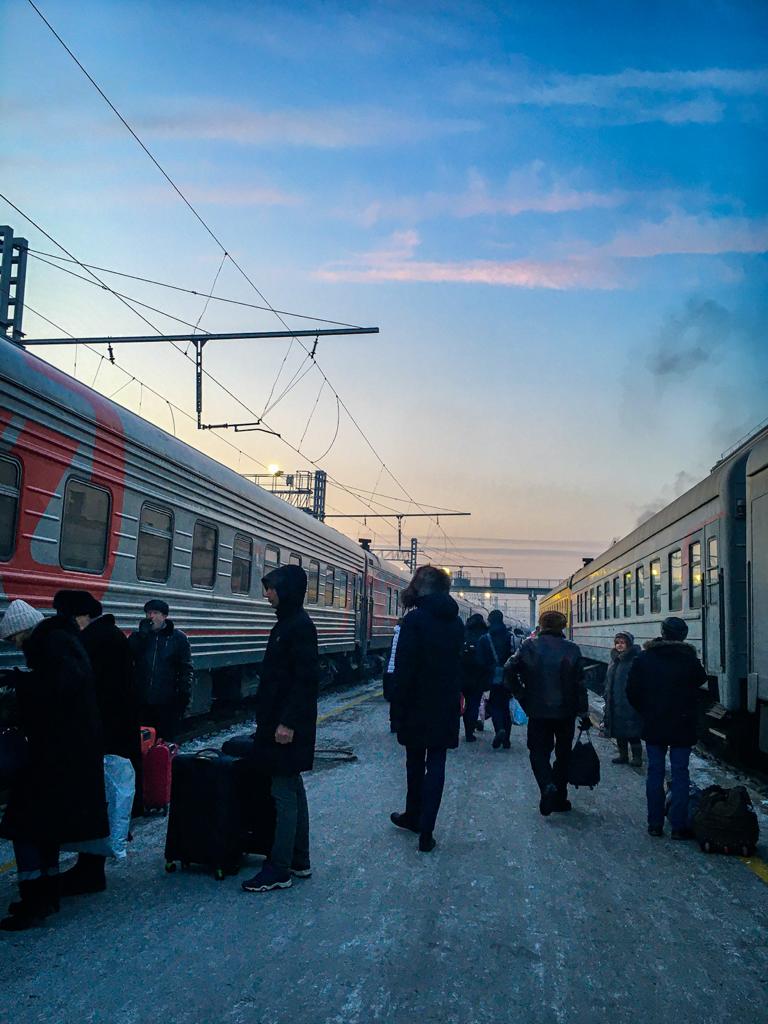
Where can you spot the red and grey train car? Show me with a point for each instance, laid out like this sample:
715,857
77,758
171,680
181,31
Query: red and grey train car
703,558
93,496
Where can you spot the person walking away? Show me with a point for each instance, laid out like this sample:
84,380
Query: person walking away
390,670
286,721
426,698
110,655
493,651
547,677
163,670
621,722
57,795
663,686
472,674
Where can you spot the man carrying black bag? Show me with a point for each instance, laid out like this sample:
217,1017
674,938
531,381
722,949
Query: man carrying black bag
286,716
547,677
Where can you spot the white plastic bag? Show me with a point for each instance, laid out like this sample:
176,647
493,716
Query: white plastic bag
119,786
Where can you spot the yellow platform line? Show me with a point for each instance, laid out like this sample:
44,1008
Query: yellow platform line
757,865
350,704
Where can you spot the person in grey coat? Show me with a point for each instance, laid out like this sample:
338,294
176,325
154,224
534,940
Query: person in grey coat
622,722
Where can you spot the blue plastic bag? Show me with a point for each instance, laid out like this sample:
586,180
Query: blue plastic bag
519,717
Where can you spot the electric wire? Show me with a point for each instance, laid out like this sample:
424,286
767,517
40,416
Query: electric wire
220,244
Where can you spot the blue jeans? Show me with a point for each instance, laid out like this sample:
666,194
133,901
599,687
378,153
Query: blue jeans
654,784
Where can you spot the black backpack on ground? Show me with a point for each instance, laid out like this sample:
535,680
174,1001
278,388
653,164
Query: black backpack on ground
584,766
725,821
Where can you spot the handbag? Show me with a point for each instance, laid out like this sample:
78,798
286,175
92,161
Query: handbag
584,765
498,672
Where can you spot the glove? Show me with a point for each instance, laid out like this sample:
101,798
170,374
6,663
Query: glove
585,722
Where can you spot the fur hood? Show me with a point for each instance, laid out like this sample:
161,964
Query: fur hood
670,646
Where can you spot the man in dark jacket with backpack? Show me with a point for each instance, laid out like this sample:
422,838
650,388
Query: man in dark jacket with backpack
547,677
663,686
493,650
426,696
286,720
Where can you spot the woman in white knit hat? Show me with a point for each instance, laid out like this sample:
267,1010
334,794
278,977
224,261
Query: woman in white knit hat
57,795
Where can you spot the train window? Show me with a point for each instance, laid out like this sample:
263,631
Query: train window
329,574
242,563
340,590
10,478
599,602
153,550
655,585
713,574
640,590
294,559
616,599
592,604
578,607
84,527
271,557
205,542
627,594
675,581
607,599
695,579
313,581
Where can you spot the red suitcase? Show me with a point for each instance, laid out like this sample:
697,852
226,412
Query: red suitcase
148,738
157,776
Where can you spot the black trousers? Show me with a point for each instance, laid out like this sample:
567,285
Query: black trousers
164,718
544,734
498,706
425,770
471,711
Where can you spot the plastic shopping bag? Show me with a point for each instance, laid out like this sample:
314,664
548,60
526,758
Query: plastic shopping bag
120,786
519,717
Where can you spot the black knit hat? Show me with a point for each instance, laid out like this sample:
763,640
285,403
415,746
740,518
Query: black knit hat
673,628
76,602
156,604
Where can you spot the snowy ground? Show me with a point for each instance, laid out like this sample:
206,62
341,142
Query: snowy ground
574,918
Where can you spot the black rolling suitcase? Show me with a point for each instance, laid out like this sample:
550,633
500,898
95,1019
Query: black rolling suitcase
205,821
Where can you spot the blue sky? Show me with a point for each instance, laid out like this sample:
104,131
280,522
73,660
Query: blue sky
556,213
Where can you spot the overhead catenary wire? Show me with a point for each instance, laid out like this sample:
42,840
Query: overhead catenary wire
221,246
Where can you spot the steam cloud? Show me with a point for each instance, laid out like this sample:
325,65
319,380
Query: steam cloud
690,339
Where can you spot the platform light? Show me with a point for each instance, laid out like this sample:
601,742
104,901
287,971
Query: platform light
273,470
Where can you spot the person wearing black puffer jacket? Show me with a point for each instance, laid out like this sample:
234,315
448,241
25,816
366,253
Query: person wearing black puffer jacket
426,696
164,670
286,722
547,677
663,685
473,674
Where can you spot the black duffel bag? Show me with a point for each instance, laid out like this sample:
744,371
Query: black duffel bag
240,746
13,755
584,766
725,821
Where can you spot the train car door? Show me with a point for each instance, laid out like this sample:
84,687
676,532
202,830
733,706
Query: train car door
712,612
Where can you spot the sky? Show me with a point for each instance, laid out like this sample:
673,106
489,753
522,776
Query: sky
555,213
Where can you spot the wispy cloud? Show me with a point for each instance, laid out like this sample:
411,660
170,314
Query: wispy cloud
395,262
322,128
686,234
529,189
631,96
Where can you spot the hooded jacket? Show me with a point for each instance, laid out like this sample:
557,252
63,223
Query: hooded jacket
110,655
663,686
622,721
58,796
163,664
472,671
427,682
289,679
547,677
496,640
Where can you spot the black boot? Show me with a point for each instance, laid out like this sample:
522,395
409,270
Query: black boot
637,754
49,896
86,876
31,909
622,758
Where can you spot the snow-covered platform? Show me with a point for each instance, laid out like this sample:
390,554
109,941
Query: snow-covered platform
575,918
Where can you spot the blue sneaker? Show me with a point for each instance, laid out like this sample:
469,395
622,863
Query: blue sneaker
268,878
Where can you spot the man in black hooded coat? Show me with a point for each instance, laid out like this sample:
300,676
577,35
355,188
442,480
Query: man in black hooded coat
286,721
426,701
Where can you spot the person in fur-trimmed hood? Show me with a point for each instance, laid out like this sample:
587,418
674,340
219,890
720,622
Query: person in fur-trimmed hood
622,722
663,687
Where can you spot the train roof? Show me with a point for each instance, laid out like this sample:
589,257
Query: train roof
758,457
48,383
